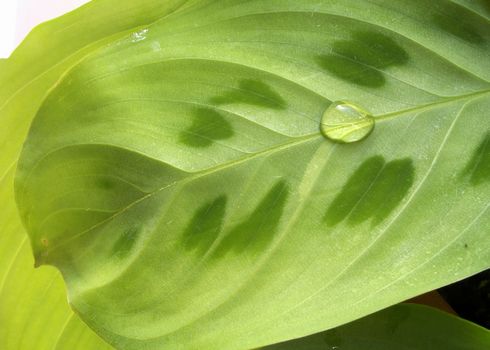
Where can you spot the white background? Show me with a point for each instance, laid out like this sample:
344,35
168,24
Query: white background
18,17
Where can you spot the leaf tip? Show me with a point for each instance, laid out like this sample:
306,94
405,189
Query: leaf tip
40,252
38,261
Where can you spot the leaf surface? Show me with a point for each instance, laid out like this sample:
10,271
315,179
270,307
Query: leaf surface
179,180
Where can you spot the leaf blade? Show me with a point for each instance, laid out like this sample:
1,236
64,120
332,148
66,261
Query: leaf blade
266,107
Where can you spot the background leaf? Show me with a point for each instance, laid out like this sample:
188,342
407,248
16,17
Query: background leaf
179,181
405,326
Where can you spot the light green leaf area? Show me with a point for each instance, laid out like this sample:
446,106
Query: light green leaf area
404,327
34,313
179,180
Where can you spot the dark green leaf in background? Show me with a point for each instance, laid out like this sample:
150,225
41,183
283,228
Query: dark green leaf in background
404,327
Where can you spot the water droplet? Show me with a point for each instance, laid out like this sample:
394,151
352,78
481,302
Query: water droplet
140,35
345,122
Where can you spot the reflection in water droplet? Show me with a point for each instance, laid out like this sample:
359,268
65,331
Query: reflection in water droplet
346,123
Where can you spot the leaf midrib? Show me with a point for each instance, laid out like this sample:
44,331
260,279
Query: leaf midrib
297,141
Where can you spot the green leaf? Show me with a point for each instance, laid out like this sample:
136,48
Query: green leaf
179,180
34,313
405,326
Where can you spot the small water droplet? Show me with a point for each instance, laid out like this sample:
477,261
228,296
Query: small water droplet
140,35
345,122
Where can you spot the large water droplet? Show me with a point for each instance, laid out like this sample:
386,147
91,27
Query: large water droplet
346,123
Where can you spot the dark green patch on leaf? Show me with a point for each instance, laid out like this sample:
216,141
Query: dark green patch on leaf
205,225
106,183
455,23
353,190
478,168
252,92
255,232
372,192
362,59
208,126
125,243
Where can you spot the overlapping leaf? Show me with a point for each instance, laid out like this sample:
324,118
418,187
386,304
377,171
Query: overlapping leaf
179,181
405,326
